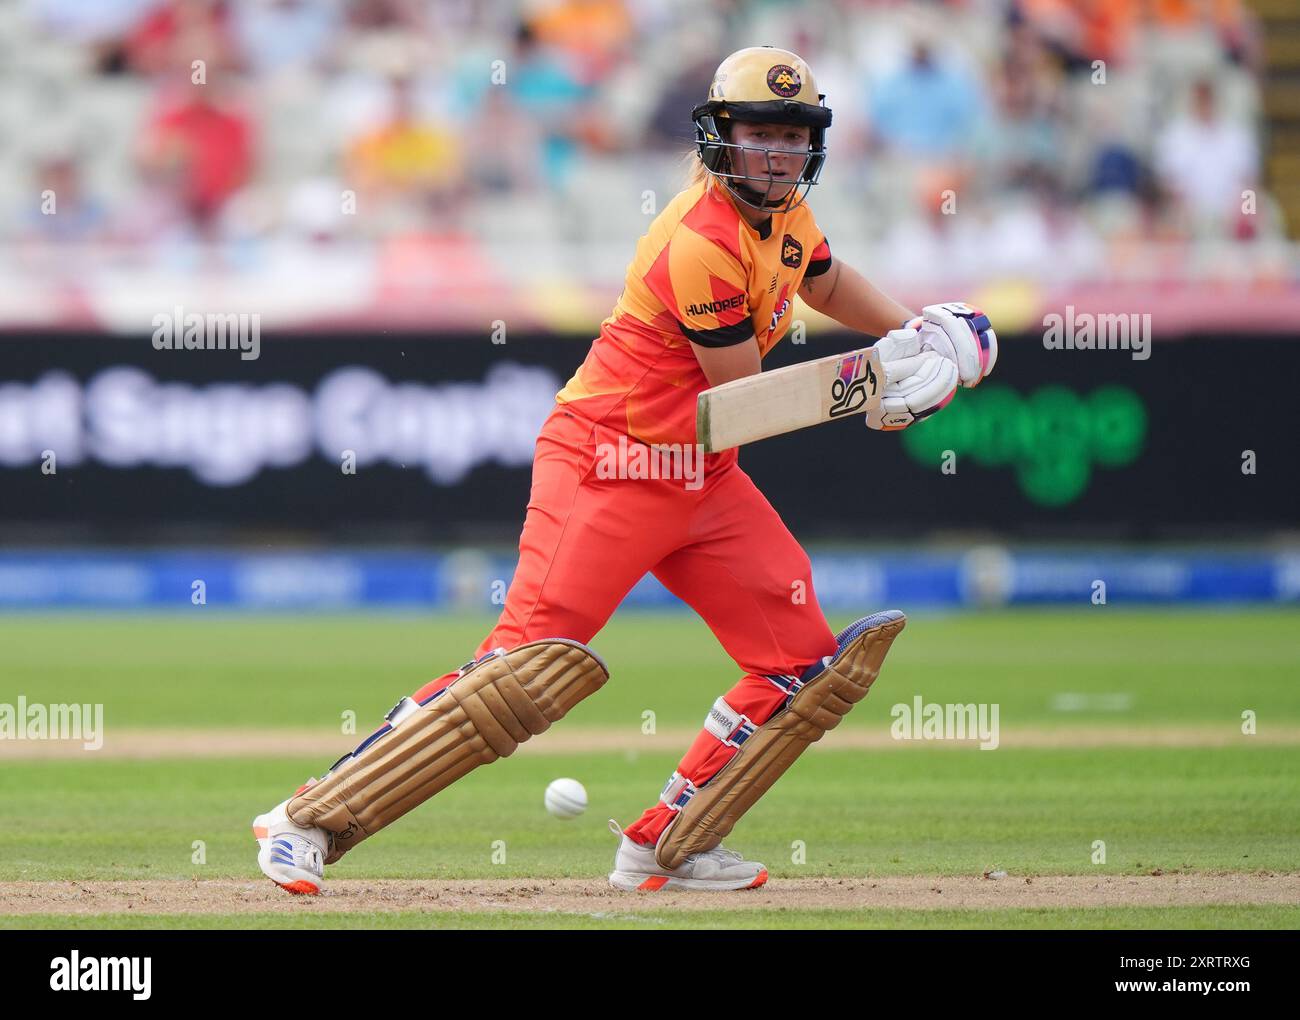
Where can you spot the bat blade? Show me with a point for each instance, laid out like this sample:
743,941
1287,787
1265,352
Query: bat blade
787,399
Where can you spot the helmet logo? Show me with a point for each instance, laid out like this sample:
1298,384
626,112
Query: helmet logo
791,252
783,80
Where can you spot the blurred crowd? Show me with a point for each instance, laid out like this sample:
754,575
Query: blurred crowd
1016,133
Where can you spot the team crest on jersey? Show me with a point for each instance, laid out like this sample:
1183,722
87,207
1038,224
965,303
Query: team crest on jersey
783,80
791,252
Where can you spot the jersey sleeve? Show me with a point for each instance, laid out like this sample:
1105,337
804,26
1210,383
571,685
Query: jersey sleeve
704,287
820,260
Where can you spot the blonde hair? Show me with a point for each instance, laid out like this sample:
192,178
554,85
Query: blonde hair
694,171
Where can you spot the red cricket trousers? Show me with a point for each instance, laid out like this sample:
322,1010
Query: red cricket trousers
711,538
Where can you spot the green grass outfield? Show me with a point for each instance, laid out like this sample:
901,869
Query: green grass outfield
204,668
1210,800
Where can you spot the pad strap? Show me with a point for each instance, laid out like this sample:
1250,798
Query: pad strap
499,702
731,727
817,701
678,791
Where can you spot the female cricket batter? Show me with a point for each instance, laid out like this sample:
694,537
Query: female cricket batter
707,295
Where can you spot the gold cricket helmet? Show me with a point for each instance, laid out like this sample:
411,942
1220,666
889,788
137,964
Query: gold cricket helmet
761,85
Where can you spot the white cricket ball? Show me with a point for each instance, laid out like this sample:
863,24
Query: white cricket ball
566,798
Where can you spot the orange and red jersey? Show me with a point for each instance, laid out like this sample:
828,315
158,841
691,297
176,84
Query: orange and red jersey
701,273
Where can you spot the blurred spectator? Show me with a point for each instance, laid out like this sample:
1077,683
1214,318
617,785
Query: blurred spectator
279,36
372,15
1226,19
504,145
670,125
548,92
1083,31
594,34
73,214
89,22
1205,161
510,119
199,148
927,109
1028,129
407,166
1115,168
174,34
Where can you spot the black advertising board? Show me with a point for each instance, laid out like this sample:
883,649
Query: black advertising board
111,438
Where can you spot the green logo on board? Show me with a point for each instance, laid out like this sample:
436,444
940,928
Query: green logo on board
1052,436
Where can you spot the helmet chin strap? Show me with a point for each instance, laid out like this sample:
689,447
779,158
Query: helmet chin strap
758,200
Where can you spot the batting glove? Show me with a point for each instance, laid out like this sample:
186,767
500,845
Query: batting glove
961,334
917,382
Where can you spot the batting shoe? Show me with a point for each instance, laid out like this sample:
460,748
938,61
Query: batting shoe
716,870
291,856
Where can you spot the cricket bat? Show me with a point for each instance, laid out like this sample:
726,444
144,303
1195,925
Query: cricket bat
786,399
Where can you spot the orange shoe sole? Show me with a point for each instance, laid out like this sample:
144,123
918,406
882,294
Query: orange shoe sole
300,888
655,882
